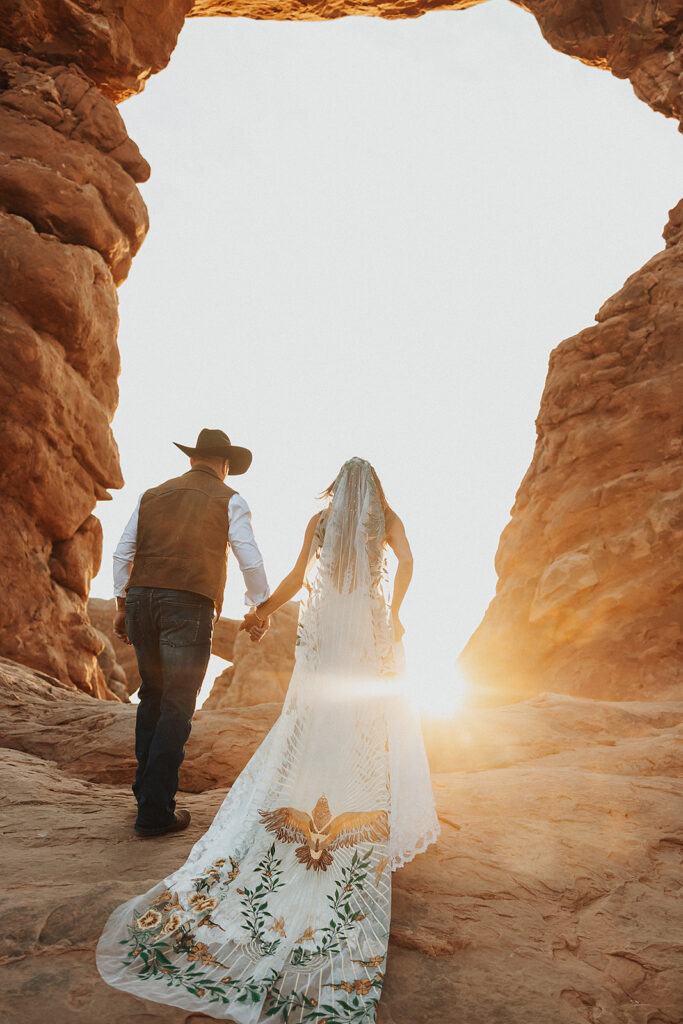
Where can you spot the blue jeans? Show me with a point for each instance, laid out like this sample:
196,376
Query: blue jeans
171,632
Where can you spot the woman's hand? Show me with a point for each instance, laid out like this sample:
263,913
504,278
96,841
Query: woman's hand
255,626
399,631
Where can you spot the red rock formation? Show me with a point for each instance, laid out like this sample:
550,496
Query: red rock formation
117,43
71,219
121,43
70,222
589,598
94,741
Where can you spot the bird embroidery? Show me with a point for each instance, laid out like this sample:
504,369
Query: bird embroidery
320,834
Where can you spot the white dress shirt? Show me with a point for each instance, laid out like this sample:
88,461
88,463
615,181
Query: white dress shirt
242,542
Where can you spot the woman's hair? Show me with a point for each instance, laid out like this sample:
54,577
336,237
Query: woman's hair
329,491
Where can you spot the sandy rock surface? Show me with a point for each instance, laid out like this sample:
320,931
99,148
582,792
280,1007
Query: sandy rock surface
93,740
552,897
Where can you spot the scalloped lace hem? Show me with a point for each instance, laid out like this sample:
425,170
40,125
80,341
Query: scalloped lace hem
403,857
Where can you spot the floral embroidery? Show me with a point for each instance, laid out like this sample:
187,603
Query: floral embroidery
165,933
201,903
343,917
162,930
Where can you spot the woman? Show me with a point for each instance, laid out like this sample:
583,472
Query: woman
282,910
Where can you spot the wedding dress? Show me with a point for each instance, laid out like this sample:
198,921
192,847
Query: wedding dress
281,911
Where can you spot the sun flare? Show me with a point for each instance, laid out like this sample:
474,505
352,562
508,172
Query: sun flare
437,689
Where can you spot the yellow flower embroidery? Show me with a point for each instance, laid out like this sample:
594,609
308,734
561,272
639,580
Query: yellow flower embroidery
200,951
149,920
361,986
171,924
201,904
374,961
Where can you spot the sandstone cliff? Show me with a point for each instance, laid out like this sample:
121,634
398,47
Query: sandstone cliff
589,598
71,220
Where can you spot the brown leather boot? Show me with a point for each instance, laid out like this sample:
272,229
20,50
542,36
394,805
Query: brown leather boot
181,820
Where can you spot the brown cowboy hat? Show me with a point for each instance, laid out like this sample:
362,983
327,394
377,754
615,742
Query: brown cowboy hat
215,442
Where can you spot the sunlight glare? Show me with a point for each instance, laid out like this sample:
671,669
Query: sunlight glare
438,689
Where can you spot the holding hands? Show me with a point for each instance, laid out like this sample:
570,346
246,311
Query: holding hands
255,626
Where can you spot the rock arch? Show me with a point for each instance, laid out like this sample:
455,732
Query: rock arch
586,600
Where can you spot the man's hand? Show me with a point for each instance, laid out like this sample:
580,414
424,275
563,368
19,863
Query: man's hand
255,626
120,621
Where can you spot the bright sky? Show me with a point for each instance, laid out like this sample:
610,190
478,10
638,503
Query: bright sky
366,238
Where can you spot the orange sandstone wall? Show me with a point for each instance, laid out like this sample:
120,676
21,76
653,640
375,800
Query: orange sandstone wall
590,591
71,219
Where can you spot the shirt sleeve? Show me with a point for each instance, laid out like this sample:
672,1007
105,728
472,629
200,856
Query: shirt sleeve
125,552
243,543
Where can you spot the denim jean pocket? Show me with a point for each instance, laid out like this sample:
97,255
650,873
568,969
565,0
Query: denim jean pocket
132,620
182,625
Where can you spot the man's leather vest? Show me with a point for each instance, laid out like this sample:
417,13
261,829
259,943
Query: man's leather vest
182,538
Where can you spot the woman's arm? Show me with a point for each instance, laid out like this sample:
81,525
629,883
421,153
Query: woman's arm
290,586
398,542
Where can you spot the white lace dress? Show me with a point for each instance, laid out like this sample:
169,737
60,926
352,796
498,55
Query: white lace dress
281,911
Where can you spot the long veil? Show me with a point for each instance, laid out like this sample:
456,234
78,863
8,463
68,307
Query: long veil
345,634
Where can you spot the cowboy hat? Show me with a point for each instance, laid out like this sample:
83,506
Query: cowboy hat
216,443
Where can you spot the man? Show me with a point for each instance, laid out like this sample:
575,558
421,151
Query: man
177,543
